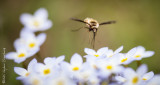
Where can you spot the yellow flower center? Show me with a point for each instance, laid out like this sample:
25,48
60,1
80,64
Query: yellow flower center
135,80
137,56
109,67
31,45
46,71
60,83
123,60
35,82
144,79
96,55
36,23
27,74
21,55
75,69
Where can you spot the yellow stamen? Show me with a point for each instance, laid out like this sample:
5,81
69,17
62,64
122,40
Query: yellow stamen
123,60
60,83
31,45
46,71
137,56
109,67
75,69
27,74
144,79
135,80
21,55
96,55
35,82
36,23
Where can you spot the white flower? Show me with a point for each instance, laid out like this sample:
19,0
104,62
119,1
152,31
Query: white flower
19,56
37,22
110,52
92,53
136,78
29,41
141,53
46,69
154,81
23,72
128,57
109,66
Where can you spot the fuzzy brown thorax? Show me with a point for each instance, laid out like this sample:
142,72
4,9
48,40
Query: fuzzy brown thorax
91,23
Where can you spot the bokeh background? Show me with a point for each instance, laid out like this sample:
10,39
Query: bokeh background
138,23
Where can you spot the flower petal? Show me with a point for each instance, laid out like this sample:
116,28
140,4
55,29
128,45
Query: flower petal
89,51
11,55
76,59
102,51
41,38
20,71
118,50
142,70
148,53
41,13
148,76
31,64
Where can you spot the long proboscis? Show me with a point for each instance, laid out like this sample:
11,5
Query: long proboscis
108,22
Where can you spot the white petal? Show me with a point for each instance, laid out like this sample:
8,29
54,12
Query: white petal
25,18
26,34
41,38
60,59
148,53
142,70
140,48
11,55
102,51
131,52
49,61
20,71
120,79
148,76
41,13
129,73
89,51
48,24
31,64
118,50
76,59
19,60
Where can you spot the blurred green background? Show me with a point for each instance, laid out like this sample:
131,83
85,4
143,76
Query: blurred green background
138,23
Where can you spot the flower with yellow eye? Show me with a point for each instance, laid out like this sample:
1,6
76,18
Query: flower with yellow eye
92,53
110,52
37,22
31,42
141,53
23,72
46,69
19,56
135,78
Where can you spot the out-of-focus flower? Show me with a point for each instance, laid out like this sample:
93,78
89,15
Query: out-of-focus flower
127,57
92,53
110,52
19,56
46,69
141,53
37,22
23,72
135,78
154,81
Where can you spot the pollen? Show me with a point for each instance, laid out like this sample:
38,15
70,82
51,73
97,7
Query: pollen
60,83
31,45
109,67
35,82
144,79
123,60
75,69
27,74
96,55
135,80
46,71
137,56
21,55
36,23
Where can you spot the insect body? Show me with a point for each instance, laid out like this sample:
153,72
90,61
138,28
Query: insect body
92,25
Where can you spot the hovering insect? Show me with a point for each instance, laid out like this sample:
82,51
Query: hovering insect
92,25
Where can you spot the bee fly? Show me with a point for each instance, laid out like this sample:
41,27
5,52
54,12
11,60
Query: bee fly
92,25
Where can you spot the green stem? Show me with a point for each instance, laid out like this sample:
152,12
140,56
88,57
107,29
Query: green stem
138,63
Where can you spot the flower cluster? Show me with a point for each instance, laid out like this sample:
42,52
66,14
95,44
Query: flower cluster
29,44
105,65
101,67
